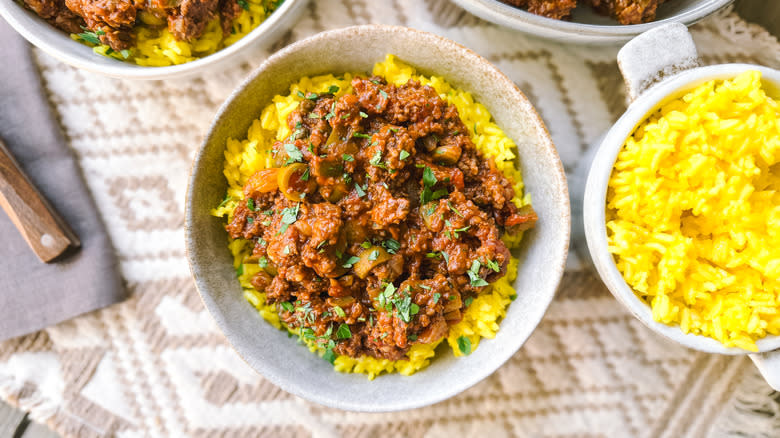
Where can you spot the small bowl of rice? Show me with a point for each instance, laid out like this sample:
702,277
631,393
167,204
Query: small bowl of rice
681,208
379,317
151,46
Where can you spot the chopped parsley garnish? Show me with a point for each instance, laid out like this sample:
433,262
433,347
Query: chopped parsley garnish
351,261
492,264
473,273
333,89
513,297
305,176
343,332
383,93
363,115
288,306
289,216
225,201
244,5
373,255
376,160
300,94
339,311
286,250
385,297
391,245
91,37
454,210
429,180
250,204
240,270
464,345
360,135
455,231
403,155
432,255
475,129
366,244
468,301
312,96
446,257
347,157
314,116
293,153
436,297
405,307
360,190
269,212
412,337
329,355
262,262
250,220
261,242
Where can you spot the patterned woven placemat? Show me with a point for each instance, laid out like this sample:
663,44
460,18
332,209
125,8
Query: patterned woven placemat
157,366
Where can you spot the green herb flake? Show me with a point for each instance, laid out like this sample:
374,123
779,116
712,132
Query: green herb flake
473,274
339,311
347,157
225,201
250,204
383,93
329,355
288,306
468,301
305,176
333,89
429,180
366,244
125,53
432,255
359,190
446,257
373,255
343,332
301,95
312,96
412,338
436,297
262,262
351,261
360,135
391,245
289,216
464,345
492,264
240,270
293,153
403,155
513,297
363,115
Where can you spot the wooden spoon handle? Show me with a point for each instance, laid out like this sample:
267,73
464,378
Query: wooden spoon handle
46,233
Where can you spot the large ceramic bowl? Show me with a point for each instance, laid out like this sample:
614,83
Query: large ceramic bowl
59,44
542,256
585,25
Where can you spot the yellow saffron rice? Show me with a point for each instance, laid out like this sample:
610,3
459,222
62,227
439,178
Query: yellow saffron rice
244,157
156,47
693,212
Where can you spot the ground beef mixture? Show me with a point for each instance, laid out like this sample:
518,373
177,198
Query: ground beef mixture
624,11
111,21
381,222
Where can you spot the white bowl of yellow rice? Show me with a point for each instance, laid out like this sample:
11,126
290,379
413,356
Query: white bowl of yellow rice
681,207
498,325
157,54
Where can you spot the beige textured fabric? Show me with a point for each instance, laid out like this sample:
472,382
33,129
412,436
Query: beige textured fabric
156,365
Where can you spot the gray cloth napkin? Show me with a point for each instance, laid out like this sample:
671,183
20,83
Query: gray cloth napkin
34,295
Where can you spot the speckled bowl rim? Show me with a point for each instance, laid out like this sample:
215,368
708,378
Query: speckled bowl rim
519,19
555,270
21,21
